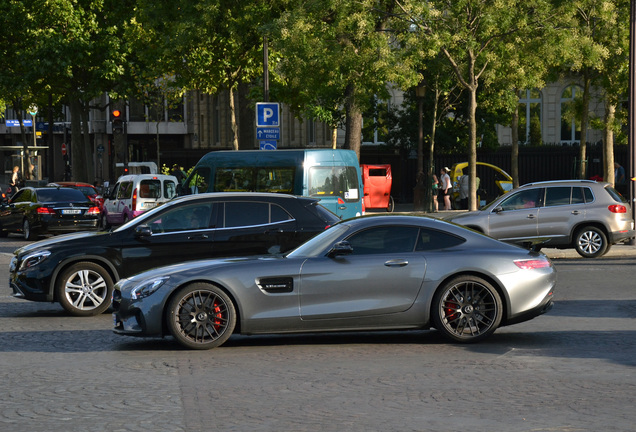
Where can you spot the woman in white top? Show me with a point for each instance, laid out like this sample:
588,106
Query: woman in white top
445,188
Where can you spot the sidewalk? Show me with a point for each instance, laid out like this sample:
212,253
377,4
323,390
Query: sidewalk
616,251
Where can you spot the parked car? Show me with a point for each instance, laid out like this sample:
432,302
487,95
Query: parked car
390,272
87,189
582,214
79,270
134,194
493,182
47,210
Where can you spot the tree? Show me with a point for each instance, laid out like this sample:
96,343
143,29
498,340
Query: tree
472,36
336,56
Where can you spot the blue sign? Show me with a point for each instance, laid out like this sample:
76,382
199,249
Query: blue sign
267,133
267,114
268,145
16,123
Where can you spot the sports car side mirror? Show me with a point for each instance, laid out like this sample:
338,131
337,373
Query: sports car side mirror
498,209
340,248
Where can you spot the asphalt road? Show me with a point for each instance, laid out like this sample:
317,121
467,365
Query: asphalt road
570,370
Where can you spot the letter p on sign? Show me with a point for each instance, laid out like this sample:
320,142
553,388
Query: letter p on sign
267,114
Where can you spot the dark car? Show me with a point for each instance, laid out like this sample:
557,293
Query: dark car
87,189
368,273
47,210
79,270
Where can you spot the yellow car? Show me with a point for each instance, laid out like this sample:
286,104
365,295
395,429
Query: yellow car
492,182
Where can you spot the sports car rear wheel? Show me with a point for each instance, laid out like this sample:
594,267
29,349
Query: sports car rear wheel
467,309
201,316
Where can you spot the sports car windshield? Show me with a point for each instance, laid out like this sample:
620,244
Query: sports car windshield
318,245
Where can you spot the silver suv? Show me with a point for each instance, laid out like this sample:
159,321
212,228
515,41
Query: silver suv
582,214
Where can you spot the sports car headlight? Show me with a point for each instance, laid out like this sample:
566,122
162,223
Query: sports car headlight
34,259
147,287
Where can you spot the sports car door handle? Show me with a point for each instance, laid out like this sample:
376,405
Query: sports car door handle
396,263
198,237
531,216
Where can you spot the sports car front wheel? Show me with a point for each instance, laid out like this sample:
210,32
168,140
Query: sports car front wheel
467,309
201,316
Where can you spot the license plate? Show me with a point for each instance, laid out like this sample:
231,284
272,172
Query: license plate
71,212
149,205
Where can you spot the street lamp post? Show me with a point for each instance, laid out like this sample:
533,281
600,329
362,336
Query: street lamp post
33,110
632,111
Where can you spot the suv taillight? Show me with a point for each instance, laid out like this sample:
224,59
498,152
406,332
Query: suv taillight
617,208
134,200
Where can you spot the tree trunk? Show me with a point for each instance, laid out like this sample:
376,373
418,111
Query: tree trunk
235,128
584,120
472,154
353,131
608,143
89,169
514,155
77,153
247,119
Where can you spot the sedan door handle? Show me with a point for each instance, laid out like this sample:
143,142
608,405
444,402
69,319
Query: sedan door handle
531,216
396,263
273,231
575,212
198,237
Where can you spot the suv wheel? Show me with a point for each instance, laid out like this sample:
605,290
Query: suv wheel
590,242
84,289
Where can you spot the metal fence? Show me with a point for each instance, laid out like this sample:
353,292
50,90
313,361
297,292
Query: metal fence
535,164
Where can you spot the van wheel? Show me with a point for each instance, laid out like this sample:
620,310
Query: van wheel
590,242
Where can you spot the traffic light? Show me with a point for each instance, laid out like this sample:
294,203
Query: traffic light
118,122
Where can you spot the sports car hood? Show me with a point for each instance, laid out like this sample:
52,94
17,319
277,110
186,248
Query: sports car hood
195,267
60,239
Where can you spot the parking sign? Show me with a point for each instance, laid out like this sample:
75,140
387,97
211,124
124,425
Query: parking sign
267,114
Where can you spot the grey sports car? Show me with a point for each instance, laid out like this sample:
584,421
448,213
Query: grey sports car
369,273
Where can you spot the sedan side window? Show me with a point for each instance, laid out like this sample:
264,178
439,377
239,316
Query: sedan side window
386,239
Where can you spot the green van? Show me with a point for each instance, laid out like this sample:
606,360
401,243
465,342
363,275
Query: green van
332,175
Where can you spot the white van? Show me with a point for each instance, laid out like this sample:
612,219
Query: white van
134,194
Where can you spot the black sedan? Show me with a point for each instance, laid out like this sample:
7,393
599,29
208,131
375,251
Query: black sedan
368,273
47,210
79,270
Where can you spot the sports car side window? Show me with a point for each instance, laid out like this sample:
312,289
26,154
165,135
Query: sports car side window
383,240
434,240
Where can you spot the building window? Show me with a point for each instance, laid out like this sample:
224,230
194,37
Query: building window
311,132
530,109
375,128
570,123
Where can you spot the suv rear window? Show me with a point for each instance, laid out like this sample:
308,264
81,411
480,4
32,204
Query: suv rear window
616,196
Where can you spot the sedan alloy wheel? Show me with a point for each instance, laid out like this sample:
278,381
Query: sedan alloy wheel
85,289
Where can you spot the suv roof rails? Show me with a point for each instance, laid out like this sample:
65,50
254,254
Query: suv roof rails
558,181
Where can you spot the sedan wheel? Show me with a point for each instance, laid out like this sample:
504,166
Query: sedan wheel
467,309
201,316
29,234
85,289
590,242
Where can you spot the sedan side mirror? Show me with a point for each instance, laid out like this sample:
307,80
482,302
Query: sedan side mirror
143,231
498,209
340,248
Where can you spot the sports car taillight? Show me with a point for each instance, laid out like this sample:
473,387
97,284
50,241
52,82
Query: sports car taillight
93,211
45,211
533,263
617,208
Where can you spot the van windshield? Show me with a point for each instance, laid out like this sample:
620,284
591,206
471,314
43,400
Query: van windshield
335,182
